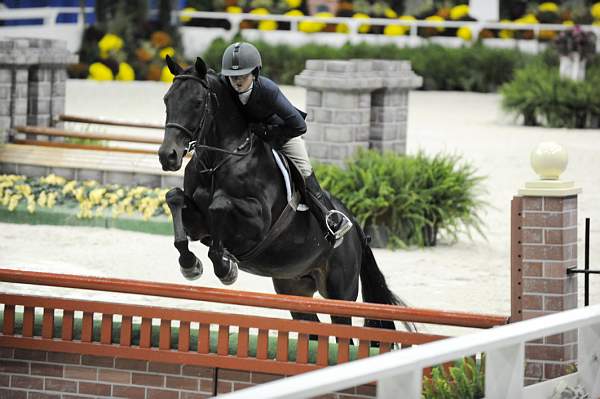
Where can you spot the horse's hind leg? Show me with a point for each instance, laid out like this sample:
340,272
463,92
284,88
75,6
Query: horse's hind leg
190,265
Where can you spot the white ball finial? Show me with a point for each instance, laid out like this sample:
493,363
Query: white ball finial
549,160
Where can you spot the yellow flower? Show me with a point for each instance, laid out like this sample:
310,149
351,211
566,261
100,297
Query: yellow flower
394,30
362,28
53,179
547,35
436,18
110,42
14,201
79,194
595,11
51,201
294,13
596,23
90,183
42,199
293,3
314,26
184,17
69,187
99,71
464,32
125,72
23,189
548,7
389,13
96,195
267,25
568,23
459,12
260,11
166,75
234,10
31,204
527,19
506,33
170,51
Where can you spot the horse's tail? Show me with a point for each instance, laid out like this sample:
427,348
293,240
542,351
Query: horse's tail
376,290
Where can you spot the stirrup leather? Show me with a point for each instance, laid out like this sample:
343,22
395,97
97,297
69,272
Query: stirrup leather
344,227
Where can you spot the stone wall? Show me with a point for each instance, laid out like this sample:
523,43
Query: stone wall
55,375
32,82
356,104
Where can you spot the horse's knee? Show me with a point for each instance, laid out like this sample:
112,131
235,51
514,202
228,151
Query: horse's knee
201,197
175,197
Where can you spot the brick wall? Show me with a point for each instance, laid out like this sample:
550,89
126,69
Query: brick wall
27,374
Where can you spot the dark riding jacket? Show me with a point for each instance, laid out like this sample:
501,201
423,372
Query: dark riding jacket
267,105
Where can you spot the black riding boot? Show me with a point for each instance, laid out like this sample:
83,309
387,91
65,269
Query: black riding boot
333,223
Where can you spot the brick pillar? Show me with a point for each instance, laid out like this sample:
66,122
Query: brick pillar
355,104
544,245
32,82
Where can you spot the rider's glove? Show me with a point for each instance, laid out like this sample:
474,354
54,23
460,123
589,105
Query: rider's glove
259,129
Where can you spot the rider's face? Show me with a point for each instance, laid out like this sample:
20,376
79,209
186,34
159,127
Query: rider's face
241,83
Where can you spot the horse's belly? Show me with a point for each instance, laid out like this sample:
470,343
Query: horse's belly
293,254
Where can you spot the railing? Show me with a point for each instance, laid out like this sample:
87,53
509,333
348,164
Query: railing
354,24
399,374
48,15
97,138
121,336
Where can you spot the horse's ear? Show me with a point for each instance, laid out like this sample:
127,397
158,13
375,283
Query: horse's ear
200,67
173,66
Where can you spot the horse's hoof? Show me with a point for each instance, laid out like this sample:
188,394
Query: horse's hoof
232,274
194,272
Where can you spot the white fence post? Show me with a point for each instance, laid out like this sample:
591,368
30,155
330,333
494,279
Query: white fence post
407,385
504,372
589,359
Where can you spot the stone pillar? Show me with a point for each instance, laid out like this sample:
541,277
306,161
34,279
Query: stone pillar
544,246
355,104
32,82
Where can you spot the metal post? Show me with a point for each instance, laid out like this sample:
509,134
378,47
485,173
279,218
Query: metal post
586,265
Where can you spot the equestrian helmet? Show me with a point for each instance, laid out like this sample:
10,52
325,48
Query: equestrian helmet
240,58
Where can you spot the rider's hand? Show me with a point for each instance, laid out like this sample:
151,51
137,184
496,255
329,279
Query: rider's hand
259,129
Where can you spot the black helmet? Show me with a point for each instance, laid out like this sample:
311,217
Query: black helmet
240,59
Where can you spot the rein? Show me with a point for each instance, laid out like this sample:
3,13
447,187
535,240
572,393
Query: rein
195,135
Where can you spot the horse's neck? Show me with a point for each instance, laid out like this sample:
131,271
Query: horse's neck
230,123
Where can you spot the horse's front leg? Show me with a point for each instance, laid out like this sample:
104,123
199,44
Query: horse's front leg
220,211
190,265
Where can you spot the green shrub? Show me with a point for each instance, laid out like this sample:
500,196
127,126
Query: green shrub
413,198
541,97
476,68
464,380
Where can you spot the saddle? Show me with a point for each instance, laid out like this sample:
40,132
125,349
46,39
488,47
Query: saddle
292,178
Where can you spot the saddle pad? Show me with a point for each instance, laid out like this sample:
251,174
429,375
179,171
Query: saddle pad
285,172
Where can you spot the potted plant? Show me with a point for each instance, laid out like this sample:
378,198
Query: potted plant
575,47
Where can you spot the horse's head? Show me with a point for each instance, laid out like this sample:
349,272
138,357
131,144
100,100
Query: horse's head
187,103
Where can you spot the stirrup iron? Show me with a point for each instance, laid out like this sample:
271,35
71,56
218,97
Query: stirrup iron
345,225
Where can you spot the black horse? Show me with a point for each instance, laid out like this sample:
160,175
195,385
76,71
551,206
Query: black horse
234,201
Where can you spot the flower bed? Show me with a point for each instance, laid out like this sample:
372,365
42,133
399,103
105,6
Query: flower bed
55,200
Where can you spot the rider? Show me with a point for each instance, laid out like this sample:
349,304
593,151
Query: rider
273,118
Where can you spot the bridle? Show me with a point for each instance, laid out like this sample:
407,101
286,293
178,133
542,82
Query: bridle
196,134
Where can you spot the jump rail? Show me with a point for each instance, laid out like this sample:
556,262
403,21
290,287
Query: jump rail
99,121
190,344
399,374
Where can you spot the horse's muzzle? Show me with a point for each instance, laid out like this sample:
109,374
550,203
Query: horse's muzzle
170,161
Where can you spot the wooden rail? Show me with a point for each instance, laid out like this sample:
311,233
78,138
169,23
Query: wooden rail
98,121
245,298
48,131
282,345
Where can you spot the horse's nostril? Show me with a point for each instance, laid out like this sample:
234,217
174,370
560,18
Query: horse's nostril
172,158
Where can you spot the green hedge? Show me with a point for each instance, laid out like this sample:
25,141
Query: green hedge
540,97
477,68
410,200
